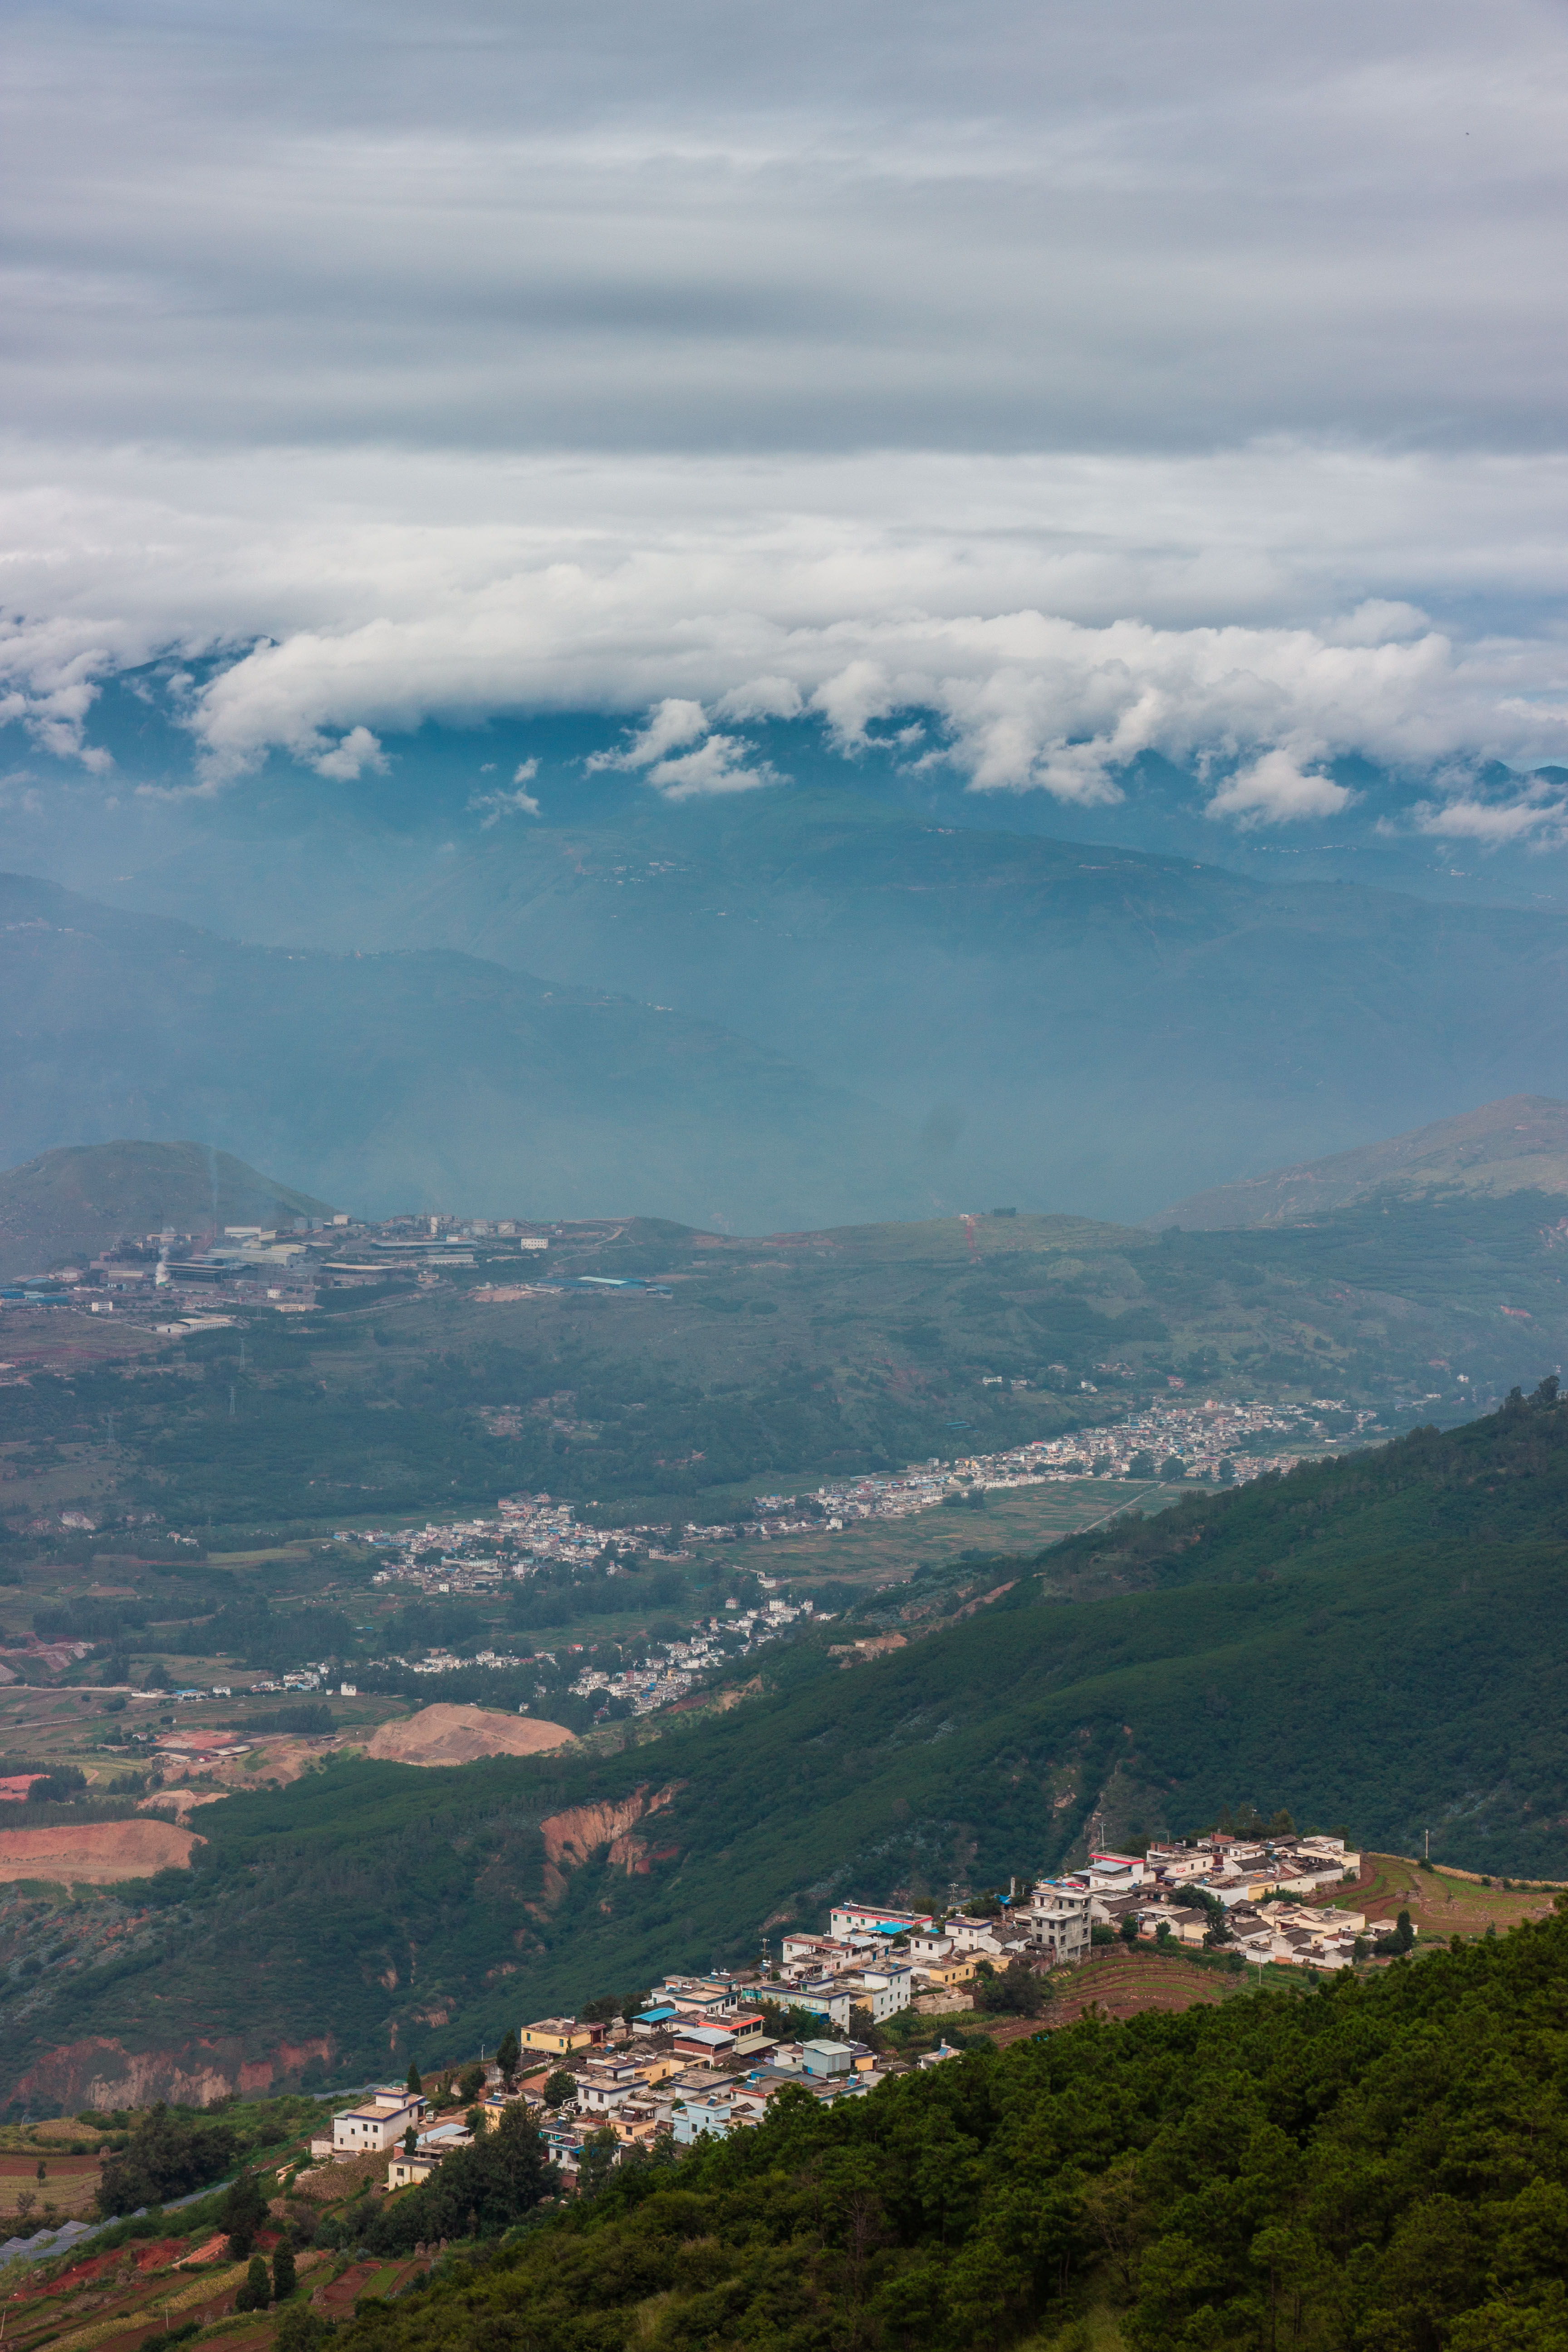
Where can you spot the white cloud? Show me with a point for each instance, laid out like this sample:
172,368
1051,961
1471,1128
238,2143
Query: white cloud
720,763
724,763
498,804
1278,788
1065,375
357,592
762,698
350,756
673,723
852,698
1533,817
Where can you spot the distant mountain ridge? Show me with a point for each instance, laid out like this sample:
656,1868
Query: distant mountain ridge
970,1016
1518,1145
1062,1024
418,1079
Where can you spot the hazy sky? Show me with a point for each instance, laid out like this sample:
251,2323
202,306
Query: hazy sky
1094,376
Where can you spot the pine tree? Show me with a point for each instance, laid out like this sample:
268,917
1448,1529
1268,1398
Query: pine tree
243,2211
283,2278
413,2083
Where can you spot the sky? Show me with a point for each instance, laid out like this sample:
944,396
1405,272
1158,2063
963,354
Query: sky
1066,382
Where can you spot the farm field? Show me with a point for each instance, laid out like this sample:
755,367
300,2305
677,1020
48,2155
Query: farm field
1117,1983
883,1551
1440,1902
66,2189
1123,1984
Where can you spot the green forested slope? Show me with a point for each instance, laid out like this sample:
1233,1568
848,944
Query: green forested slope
1380,2166
1381,1643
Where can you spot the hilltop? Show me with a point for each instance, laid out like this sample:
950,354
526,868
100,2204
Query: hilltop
1518,1145
74,1202
1378,2164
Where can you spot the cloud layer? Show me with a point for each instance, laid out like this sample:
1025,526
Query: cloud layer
1072,383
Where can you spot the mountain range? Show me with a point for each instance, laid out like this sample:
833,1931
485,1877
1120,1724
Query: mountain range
414,1079
1518,1145
784,1008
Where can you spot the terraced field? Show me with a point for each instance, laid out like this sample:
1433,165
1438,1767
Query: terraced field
1440,1902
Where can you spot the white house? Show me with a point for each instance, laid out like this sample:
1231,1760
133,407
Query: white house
883,1990
379,2124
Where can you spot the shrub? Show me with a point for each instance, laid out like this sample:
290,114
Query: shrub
243,2211
299,2329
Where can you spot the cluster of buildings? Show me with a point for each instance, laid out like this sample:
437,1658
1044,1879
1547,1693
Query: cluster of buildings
1208,1440
1261,1897
529,1532
282,1266
705,2054
479,1555
670,1669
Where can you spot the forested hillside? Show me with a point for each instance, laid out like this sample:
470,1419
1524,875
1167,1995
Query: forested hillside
1379,1642
1374,2166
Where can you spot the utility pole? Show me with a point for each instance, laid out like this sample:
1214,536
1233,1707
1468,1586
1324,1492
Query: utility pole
1427,1835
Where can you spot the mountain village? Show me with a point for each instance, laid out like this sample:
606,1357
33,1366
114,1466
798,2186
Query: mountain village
705,2054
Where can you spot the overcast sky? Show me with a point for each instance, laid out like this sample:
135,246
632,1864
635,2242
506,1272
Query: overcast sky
1093,376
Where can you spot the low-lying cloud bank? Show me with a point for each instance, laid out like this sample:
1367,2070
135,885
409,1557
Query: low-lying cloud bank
966,612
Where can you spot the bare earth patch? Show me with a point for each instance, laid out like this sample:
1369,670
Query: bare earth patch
181,1801
461,1734
326,2183
95,1854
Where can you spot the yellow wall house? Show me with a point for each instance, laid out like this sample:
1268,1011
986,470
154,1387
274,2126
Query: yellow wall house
404,2170
953,1972
558,2034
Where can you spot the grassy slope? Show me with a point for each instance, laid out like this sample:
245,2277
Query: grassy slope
84,1197
1379,1644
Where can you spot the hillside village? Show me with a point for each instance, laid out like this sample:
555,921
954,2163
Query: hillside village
533,1531
705,2054
1206,1441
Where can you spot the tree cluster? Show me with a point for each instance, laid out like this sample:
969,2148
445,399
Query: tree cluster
170,2153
